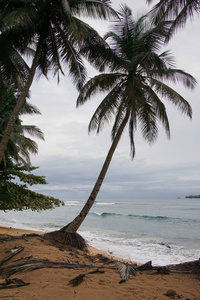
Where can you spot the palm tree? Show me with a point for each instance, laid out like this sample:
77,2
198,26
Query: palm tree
178,11
19,145
56,32
135,89
16,162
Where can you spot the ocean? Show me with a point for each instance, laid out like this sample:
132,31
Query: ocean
165,231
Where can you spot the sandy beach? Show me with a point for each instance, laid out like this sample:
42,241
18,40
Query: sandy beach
53,283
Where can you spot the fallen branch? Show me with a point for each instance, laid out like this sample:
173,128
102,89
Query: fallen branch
15,252
13,283
7,237
41,263
190,266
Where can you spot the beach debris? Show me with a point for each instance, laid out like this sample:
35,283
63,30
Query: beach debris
162,270
125,270
79,279
146,266
13,253
35,264
13,283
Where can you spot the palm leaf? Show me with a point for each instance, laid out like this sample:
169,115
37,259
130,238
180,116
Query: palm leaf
94,9
175,10
125,270
167,92
105,111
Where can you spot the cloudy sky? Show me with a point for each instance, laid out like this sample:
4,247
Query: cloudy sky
71,159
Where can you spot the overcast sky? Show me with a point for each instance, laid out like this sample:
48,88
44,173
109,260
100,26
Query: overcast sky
71,159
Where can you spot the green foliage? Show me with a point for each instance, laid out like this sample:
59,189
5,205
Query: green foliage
177,11
12,194
137,78
19,146
18,196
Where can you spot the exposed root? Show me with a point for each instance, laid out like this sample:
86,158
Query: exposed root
66,239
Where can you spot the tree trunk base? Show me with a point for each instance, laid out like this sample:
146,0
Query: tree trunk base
67,239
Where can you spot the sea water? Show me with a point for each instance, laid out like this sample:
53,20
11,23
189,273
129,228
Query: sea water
165,231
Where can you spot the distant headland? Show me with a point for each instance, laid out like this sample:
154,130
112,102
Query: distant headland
193,196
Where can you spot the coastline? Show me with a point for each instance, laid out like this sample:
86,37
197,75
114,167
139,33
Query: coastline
163,231
92,250
53,283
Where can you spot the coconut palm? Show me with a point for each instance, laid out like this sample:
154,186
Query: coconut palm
135,89
19,145
56,32
177,10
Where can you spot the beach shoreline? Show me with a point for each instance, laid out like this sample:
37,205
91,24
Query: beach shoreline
163,231
92,250
53,283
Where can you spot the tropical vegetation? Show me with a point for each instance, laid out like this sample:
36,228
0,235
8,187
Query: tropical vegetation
19,145
19,196
15,169
135,89
56,33
176,10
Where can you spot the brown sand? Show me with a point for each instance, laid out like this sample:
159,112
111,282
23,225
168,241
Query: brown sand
50,283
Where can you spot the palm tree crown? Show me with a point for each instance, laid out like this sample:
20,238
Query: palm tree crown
136,85
177,10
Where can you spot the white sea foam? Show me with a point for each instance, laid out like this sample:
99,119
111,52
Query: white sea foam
141,250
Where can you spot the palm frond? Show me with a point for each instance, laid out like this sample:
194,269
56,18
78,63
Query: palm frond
125,270
176,10
176,76
70,56
159,107
105,111
96,9
30,109
33,131
175,98
147,119
99,83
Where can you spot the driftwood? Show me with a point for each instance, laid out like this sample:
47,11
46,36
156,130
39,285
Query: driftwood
15,251
6,237
13,283
187,267
35,264
124,269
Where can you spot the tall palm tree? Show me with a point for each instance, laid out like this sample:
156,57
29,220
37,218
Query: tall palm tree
56,32
177,10
135,90
19,145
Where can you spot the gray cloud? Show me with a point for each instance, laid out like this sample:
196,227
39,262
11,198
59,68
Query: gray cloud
71,159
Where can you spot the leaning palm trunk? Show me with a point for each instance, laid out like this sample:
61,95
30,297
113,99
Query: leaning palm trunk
76,223
19,105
